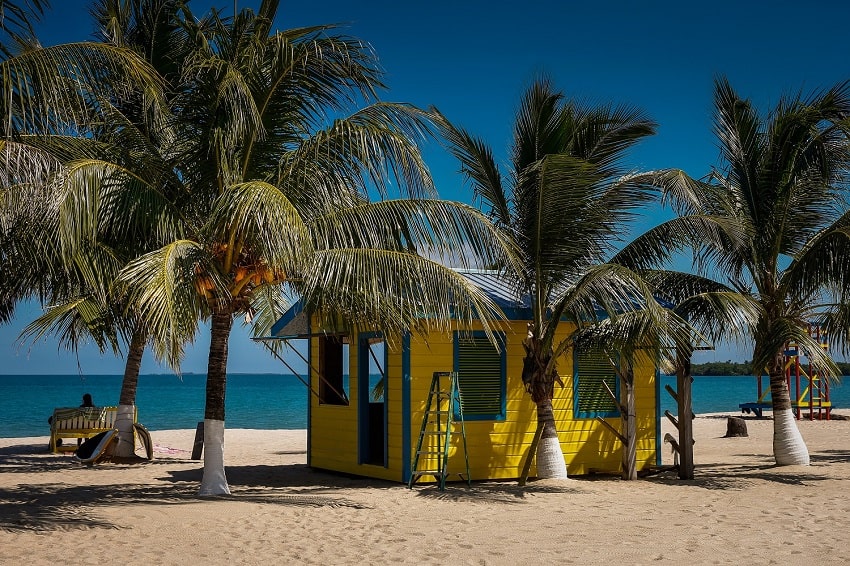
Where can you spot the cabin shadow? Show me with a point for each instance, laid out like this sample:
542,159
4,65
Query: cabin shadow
280,476
506,492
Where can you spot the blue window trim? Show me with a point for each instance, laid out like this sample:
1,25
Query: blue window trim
592,414
405,408
658,417
503,377
309,393
364,396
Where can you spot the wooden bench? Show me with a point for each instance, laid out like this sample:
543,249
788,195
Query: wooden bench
79,422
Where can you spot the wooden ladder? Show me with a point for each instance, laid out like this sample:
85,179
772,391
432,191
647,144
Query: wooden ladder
442,406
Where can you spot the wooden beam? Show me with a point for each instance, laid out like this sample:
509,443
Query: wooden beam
672,440
672,393
673,419
616,401
613,430
532,450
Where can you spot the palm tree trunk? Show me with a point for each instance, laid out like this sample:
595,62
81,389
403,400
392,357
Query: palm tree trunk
789,449
550,458
135,351
214,481
539,380
126,447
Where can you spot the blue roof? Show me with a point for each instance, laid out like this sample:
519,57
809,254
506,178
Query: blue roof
500,289
291,318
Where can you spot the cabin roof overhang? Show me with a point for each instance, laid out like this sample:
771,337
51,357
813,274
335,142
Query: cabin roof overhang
500,289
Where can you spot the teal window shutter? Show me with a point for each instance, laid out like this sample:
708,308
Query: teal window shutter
481,373
591,399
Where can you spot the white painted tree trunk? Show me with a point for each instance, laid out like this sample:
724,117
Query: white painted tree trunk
550,459
214,481
124,418
788,446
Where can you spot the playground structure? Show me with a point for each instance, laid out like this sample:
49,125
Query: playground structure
810,390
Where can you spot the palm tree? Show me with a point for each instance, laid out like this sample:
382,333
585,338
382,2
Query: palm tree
783,179
708,311
47,91
277,196
711,312
112,156
565,204
16,20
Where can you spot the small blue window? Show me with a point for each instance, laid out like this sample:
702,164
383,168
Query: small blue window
482,376
591,399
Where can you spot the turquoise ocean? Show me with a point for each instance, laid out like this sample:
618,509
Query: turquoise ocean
259,401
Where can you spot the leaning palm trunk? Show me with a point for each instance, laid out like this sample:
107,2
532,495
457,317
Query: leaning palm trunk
214,481
789,449
126,446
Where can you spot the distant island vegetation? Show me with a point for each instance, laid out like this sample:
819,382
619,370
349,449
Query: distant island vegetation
745,368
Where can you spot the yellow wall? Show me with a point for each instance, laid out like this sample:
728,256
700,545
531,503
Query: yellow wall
334,428
496,448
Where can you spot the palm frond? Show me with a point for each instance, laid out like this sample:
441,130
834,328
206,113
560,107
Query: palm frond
73,323
35,87
371,148
163,288
783,331
16,22
454,233
823,264
649,335
393,291
478,165
705,235
572,217
258,217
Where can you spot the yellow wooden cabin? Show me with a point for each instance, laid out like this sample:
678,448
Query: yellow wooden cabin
352,430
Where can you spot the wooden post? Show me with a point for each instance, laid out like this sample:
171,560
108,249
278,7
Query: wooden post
736,426
629,425
686,414
199,441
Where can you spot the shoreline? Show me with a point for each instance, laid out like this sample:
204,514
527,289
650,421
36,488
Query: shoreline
739,506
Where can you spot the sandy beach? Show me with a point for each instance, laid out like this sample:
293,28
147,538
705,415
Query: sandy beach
739,509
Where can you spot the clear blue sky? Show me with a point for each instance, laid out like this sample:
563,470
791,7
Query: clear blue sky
473,59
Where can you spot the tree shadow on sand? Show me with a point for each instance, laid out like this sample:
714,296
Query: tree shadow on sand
831,457
57,507
740,476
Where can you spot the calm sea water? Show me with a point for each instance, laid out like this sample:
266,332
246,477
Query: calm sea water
259,401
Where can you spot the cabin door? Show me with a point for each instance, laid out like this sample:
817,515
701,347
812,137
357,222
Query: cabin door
372,399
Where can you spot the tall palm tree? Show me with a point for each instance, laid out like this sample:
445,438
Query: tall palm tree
783,179
565,202
276,196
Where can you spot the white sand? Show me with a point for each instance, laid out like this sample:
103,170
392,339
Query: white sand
740,509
